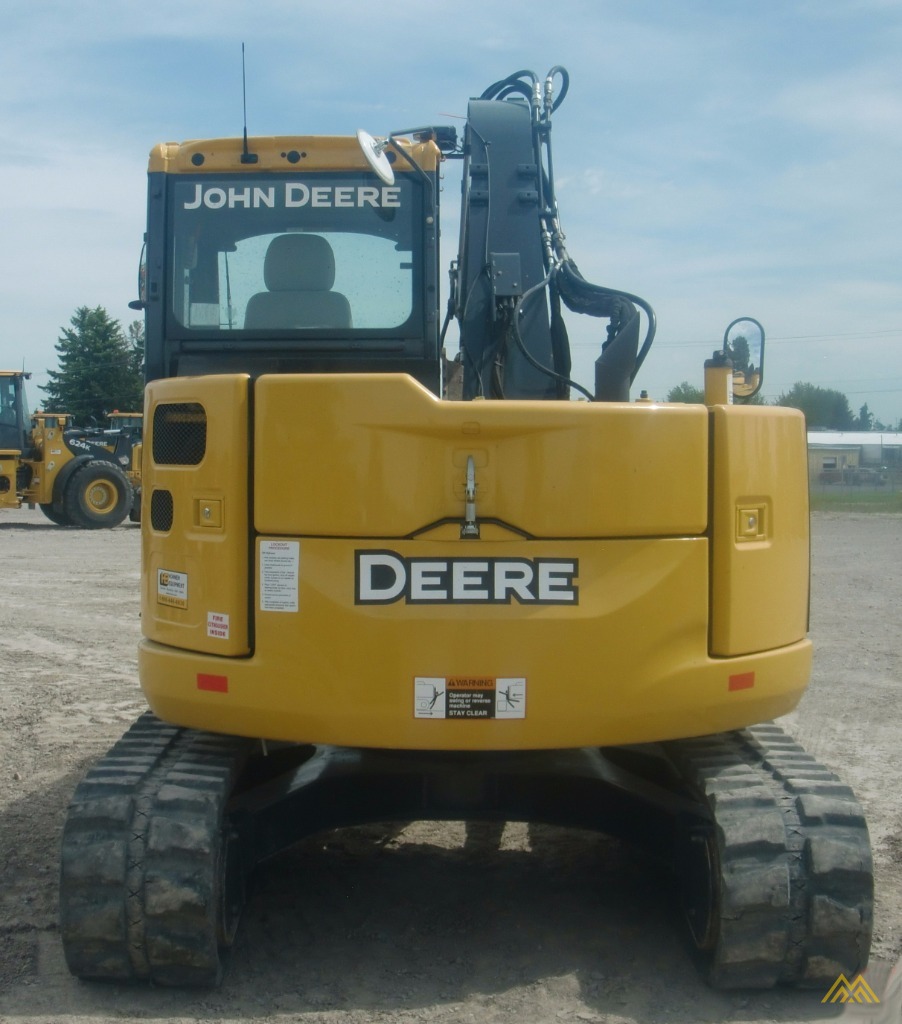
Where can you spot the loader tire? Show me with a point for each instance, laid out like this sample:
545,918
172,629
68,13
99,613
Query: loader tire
59,518
98,495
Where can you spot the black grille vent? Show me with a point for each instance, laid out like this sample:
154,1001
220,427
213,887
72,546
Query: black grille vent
179,434
161,511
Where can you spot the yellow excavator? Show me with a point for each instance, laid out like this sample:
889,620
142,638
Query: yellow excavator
363,601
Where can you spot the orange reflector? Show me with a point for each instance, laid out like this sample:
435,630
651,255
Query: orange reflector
743,681
218,684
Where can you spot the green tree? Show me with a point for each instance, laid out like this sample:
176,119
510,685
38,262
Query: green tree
739,354
99,368
822,407
865,419
136,349
685,392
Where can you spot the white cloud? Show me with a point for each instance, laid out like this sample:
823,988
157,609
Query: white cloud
864,101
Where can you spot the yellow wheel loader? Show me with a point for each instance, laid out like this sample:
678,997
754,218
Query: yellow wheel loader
68,473
362,601
123,436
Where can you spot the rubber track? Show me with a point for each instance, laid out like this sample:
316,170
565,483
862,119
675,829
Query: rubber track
141,876
795,871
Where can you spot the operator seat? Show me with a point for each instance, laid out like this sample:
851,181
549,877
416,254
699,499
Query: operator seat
299,271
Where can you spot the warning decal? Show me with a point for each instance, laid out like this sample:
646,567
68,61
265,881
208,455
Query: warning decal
469,697
279,561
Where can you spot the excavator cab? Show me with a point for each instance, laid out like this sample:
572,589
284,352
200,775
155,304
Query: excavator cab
310,264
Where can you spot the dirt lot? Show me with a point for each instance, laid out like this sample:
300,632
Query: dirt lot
423,924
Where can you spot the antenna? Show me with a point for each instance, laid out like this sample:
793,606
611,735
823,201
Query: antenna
246,157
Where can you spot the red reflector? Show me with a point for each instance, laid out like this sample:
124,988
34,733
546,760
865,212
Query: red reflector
743,681
218,684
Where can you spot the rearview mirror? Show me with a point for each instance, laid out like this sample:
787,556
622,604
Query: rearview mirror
743,344
141,301
374,151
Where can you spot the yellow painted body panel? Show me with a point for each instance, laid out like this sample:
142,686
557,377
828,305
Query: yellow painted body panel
342,455
760,548
320,153
280,633
693,701
9,464
205,550
613,669
49,455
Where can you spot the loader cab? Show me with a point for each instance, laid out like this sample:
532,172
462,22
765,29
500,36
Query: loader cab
302,260
130,423
13,411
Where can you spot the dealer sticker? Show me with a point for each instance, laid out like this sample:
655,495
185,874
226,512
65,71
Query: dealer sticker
469,697
172,588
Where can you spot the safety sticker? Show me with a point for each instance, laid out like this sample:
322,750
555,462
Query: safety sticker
279,561
218,625
469,697
172,588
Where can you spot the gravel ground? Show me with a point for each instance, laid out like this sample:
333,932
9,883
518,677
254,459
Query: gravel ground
431,922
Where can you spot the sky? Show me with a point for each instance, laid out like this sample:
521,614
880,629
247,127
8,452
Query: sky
720,158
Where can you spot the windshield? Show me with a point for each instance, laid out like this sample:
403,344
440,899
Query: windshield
8,399
292,253
13,412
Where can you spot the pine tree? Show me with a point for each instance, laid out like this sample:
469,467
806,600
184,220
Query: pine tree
136,351
99,368
865,419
